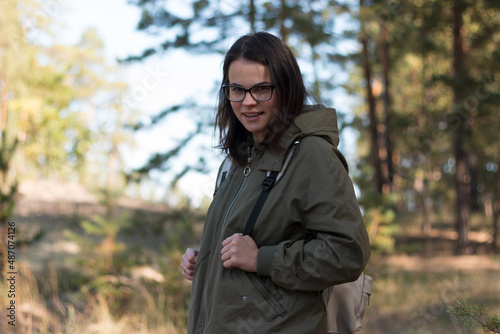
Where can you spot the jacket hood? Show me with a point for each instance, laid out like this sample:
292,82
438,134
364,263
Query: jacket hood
314,121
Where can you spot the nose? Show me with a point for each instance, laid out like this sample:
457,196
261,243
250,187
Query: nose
248,100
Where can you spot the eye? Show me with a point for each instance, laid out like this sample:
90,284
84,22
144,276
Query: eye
236,89
261,88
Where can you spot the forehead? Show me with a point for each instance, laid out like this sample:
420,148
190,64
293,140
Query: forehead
247,72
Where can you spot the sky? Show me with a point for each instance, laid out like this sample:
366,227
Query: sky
116,21
154,84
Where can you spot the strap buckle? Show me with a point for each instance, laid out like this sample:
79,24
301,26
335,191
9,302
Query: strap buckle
268,182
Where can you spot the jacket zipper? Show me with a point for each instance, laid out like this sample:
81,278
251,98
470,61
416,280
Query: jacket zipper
246,172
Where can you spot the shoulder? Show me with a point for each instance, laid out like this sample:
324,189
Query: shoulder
223,172
320,151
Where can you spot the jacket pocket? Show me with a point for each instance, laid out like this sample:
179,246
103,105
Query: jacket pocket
265,298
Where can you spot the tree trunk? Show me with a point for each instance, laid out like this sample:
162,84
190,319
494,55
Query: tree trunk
375,148
251,16
462,182
472,162
283,28
387,106
314,62
496,208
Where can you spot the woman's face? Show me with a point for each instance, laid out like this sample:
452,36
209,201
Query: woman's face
255,116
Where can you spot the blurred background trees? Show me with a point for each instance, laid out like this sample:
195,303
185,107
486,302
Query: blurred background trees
63,105
427,74
416,82
416,85
61,111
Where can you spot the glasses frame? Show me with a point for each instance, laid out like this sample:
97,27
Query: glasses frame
249,90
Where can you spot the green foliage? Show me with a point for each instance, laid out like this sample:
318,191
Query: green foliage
425,114
8,187
100,242
60,101
470,315
108,197
379,214
100,226
180,226
107,266
143,223
12,63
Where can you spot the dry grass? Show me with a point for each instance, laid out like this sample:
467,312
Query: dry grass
108,304
62,288
413,295
65,285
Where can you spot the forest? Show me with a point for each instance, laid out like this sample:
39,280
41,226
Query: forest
414,83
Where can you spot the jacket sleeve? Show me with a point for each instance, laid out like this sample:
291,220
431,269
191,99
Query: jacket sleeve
322,199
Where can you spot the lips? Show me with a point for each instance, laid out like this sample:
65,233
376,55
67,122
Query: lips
252,114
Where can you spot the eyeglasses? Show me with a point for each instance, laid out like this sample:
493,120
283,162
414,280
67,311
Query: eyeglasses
259,93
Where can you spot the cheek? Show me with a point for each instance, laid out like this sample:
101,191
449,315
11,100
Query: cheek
274,102
235,108
273,108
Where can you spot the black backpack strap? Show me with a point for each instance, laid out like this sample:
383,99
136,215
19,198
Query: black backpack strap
266,187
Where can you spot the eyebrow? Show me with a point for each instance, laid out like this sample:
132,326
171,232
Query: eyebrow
258,84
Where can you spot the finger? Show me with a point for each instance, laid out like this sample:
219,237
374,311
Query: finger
185,257
226,247
225,251
189,266
228,240
186,272
193,252
190,262
225,256
188,276
228,263
191,255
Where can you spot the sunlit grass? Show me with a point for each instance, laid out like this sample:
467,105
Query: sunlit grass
403,301
120,284
107,304
417,301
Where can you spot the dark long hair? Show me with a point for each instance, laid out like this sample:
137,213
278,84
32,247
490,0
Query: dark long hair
272,52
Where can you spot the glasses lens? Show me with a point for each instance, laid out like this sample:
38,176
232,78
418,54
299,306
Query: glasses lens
262,93
235,93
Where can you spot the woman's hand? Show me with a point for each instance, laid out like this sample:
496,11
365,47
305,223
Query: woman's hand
188,263
240,251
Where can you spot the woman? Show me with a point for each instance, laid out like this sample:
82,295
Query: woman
309,234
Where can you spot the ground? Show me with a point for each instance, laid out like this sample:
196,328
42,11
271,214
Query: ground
411,293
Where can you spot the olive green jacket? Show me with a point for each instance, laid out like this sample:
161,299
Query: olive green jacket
310,235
